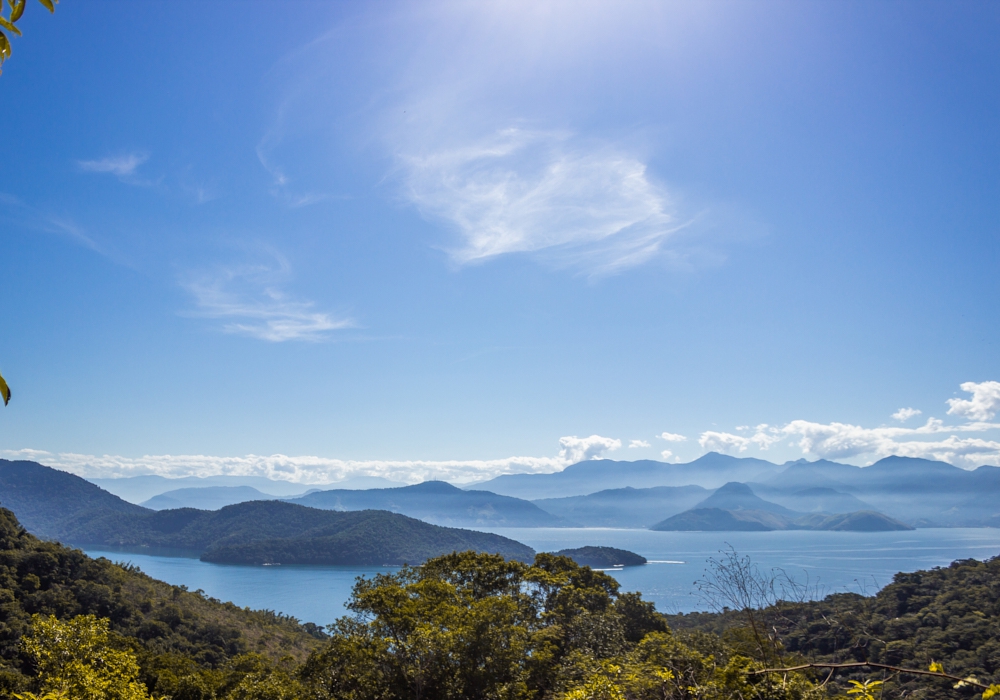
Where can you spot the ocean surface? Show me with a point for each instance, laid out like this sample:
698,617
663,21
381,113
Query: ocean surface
824,562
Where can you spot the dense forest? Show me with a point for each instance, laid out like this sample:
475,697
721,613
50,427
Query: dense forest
479,626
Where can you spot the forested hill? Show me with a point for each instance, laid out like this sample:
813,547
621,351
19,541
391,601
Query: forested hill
63,507
176,632
949,615
274,532
44,498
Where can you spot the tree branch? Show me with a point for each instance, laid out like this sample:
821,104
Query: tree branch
867,664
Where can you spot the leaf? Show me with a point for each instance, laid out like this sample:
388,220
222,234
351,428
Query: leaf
4,389
9,27
48,5
4,48
991,692
936,667
16,10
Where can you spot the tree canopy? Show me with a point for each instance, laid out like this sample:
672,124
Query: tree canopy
476,627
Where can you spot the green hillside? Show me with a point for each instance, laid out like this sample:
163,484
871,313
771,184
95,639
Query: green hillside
358,537
64,507
260,532
949,615
173,631
44,498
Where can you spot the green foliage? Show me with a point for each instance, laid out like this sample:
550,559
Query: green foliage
865,690
4,389
9,23
478,627
79,658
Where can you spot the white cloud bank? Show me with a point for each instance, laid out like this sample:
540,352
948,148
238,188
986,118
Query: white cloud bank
318,470
517,191
838,441
847,441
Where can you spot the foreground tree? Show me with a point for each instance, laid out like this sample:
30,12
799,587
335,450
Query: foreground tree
81,659
477,627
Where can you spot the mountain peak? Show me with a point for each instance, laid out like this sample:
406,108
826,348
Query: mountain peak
734,488
432,487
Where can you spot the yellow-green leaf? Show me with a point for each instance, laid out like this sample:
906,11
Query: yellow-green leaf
48,5
936,667
9,27
4,48
16,10
4,389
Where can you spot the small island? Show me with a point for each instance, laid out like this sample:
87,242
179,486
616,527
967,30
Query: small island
603,557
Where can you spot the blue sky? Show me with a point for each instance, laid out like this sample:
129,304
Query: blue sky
457,239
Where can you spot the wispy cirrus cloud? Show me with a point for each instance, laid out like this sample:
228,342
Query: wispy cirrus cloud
517,191
122,166
249,300
318,470
61,225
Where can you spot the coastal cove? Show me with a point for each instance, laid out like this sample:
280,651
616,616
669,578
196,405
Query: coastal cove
829,562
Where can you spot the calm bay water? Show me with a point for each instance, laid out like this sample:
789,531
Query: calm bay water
829,561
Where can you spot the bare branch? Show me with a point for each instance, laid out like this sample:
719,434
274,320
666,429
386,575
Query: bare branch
869,664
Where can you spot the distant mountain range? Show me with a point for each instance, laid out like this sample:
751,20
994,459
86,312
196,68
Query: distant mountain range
57,505
735,506
440,503
709,471
206,497
605,493
919,492
628,507
138,489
